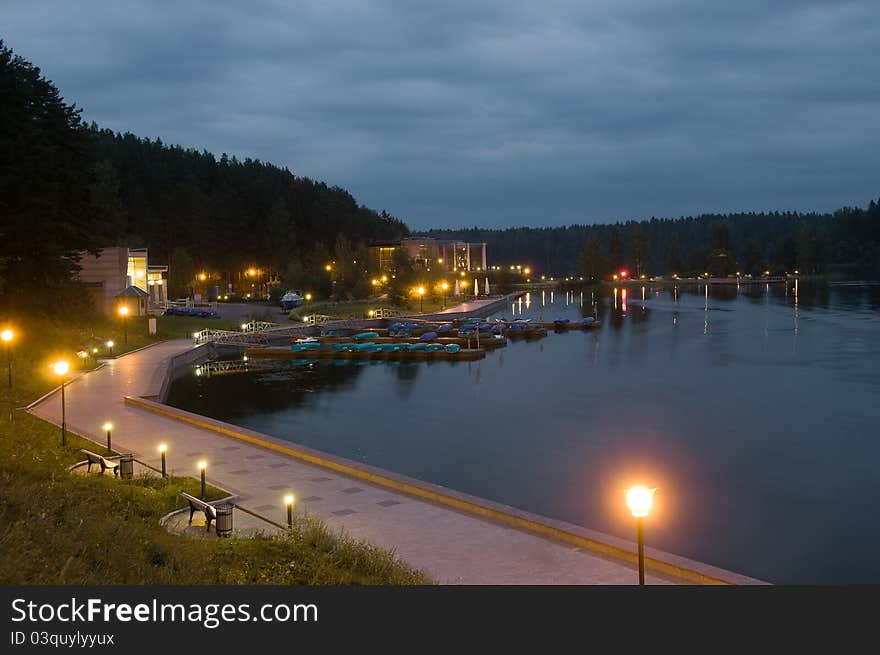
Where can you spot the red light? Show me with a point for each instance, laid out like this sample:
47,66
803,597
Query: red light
624,273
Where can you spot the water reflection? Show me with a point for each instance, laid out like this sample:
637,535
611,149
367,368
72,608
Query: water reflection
755,405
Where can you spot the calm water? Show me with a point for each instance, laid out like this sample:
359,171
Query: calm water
754,412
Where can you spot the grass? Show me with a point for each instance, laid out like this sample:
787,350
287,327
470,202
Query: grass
361,308
58,528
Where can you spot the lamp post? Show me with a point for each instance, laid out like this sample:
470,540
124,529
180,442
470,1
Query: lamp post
108,428
110,347
8,335
61,368
639,500
202,466
288,501
123,312
445,287
421,292
162,449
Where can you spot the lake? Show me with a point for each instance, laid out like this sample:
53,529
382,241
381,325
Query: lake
753,410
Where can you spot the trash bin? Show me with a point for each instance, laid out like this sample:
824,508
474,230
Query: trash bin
224,519
126,466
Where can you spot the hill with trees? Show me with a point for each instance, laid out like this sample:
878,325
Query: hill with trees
67,187
846,242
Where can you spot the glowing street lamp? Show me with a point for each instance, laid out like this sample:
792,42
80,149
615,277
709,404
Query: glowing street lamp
421,292
639,500
445,286
202,277
7,336
328,268
108,428
162,449
308,297
288,501
123,312
202,466
61,369
110,345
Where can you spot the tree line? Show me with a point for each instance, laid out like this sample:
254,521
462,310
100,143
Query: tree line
845,242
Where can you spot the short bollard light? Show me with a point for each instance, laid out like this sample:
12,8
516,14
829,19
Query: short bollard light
110,345
639,499
8,335
162,449
60,369
288,501
202,466
108,428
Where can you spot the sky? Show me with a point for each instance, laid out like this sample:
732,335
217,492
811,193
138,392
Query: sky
493,114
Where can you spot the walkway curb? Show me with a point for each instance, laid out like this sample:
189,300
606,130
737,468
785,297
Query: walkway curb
607,545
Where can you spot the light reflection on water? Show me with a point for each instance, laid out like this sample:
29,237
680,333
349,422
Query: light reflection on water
753,410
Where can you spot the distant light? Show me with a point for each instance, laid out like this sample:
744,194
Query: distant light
110,344
384,278
308,296
244,326
162,447
123,311
203,465
107,426
288,499
61,368
196,335
624,273
639,500
203,277
527,270
328,267
440,260
7,335
94,350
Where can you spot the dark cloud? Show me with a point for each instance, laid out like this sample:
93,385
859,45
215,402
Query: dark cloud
494,113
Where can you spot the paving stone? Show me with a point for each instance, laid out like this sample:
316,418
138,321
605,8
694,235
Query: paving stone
240,472
352,490
310,499
344,512
255,457
388,503
320,479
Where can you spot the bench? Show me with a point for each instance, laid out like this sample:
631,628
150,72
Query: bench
196,504
105,463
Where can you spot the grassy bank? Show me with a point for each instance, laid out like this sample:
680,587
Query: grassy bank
58,528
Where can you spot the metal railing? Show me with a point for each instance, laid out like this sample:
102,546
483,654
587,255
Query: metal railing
258,326
228,337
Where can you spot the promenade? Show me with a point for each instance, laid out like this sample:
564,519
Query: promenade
451,546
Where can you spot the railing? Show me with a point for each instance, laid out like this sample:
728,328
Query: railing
385,312
316,319
227,337
258,326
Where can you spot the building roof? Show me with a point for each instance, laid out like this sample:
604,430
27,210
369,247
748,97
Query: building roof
132,292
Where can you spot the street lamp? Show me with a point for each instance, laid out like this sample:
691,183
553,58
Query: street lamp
162,449
639,500
60,369
7,336
202,466
123,312
445,287
421,292
110,347
108,428
288,501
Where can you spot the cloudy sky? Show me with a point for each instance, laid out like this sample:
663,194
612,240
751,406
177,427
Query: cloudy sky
493,113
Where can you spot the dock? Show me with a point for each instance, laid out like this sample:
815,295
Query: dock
463,355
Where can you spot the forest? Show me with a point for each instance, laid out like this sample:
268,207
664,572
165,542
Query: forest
844,243
68,187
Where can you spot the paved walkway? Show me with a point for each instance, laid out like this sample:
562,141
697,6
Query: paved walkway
469,306
452,547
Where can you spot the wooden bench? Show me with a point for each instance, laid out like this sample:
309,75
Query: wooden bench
196,504
105,463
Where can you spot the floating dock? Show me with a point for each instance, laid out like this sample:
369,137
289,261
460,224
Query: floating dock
487,342
463,355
